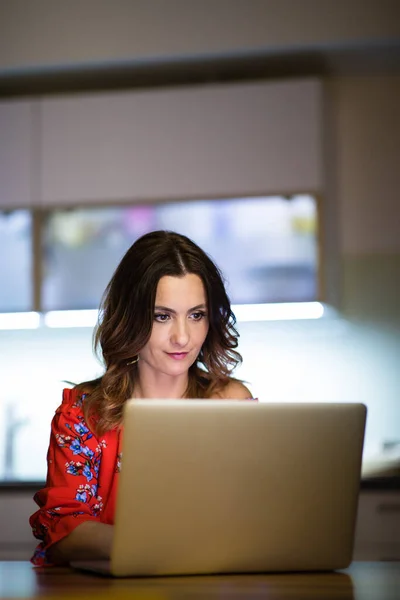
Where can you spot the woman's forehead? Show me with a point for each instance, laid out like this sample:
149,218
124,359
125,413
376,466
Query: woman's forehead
185,290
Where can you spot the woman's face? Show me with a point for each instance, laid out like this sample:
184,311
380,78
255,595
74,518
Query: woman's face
180,325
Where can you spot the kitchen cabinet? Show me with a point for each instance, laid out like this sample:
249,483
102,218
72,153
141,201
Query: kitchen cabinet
378,526
17,541
183,142
18,184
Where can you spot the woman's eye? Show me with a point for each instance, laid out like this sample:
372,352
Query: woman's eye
161,317
197,316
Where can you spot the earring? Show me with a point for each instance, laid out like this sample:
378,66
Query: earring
134,361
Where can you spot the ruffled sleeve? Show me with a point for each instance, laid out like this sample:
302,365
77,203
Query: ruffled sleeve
71,493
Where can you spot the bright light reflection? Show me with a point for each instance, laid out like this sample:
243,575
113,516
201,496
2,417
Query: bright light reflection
70,318
22,320
288,311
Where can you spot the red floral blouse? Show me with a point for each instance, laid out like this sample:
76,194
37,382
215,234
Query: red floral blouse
82,477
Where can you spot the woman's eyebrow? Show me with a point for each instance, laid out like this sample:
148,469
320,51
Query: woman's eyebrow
171,310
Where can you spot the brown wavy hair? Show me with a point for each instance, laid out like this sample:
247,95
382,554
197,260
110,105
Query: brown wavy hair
126,319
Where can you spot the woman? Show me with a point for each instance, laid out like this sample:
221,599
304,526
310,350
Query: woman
166,330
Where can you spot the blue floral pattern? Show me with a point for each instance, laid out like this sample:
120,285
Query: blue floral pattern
89,464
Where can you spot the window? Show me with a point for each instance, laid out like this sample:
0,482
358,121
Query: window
16,288
266,247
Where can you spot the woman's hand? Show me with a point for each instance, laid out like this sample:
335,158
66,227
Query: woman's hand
90,540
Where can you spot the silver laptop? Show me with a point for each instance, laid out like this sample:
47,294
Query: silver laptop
225,486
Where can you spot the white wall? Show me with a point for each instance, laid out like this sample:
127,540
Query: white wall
79,32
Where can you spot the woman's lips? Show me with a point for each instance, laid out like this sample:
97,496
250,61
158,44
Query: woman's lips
178,355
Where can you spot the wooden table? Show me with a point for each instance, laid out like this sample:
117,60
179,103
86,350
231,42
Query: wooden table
362,581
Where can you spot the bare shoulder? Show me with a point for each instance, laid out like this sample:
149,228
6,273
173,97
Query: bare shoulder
234,390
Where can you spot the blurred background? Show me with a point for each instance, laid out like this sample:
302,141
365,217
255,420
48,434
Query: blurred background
266,130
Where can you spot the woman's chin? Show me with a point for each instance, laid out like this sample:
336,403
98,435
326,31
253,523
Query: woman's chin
176,368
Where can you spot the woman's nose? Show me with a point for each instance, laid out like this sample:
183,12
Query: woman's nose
180,333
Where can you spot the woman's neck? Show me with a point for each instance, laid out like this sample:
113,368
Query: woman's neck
158,385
